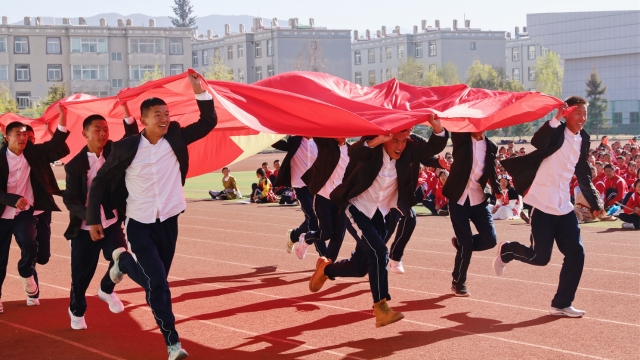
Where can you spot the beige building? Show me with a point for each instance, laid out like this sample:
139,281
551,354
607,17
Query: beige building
96,60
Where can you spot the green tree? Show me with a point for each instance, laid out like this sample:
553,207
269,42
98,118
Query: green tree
549,74
157,73
217,70
449,74
492,133
596,117
56,92
521,130
183,10
411,72
483,76
7,103
432,78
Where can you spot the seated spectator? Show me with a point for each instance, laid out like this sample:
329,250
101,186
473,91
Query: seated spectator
510,205
631,214
600,171
510,146
502,150
615,187
622,166
274,174
441,202
510,152
632,176
522,152
604,141
598,183
267,171
261,191
428,199
230,188
584,213
449,160
592,160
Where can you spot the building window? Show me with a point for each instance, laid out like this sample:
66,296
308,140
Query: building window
532,74
418,50
258,49
258,73
194,59
23,73
617,118
357,58
543,51
89,45
372,77
116,56
146,46
53,46
240,74
241,52
136,72
433,50
4,72
389,74
532,52
54,72
270,71
358,77
473,45
176,69
515,54
372,56
388,54
175,47
515,74
433,67
89,72
400,51
23,99
99,94
269,47
216,54
205,57
21,45
229,52
3,44
634,117
116,83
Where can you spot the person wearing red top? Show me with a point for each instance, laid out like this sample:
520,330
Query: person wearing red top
441,202
267,171
631,175
572,185
429,198
276,168
600,176
598,183
615,187
631,215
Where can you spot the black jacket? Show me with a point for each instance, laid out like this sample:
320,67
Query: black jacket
461,167
108,188
322,169
43,182
75,194
365,164
290,145
548,140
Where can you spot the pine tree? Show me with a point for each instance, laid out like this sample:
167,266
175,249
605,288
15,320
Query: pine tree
183,10
596,118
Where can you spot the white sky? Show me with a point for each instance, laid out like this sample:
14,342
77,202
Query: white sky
343,14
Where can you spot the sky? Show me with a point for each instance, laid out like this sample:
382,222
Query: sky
337,14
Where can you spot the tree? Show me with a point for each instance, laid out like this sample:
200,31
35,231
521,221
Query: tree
56,92
411,72
483,76
449,74
157,73
549,74
7,103
183,10
596,118
492,133
521,130
217,70
432,78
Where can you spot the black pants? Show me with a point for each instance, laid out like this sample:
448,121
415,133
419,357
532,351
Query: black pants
371,255
627,197
545,228
154,246
430,203
23,227
467,242
419,194
630,218
310,222
43,237
332,221
609,194
85,254
405,224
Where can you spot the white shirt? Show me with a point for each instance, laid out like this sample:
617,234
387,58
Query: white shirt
95,163
302,161
474,190
549,191
383,193
338,173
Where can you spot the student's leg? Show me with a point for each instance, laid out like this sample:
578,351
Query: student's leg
43,237
630,218
339,230
430,203
322,211
610,194
391,221
5,244
627,197
570,245
24,230
406,226
460,215
419,194
543,232
85,254
166,235
486,237
355,266
310,222
113,238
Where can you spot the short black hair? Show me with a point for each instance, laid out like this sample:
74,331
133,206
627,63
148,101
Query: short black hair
225,168
29,128
276,161
608,166
14,125
261,172
90,119
575,100
445,172
149,103
265,163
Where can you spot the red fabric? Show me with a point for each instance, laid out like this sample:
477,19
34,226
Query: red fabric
302,103
441,200
599,185
617,183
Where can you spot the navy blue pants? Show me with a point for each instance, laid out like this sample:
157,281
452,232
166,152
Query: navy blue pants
154,246
405,224
43,237
310,222
430,203
371,254
85,254
332,221
467,242
23,227
630,218
545,228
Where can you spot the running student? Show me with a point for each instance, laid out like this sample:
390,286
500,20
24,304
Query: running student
377,179
144,175
543,177
85,252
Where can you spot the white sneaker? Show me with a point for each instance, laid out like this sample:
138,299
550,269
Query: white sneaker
396,267
30,286
77,322
33,302
176,352
114,273
498,264
115,305
289,242
301,247
568,311
628,226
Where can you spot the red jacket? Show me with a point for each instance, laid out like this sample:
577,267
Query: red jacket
440,199
630,179
617,183
599,185
634,202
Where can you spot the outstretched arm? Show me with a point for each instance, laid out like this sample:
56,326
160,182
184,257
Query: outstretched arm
130,124
208,118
